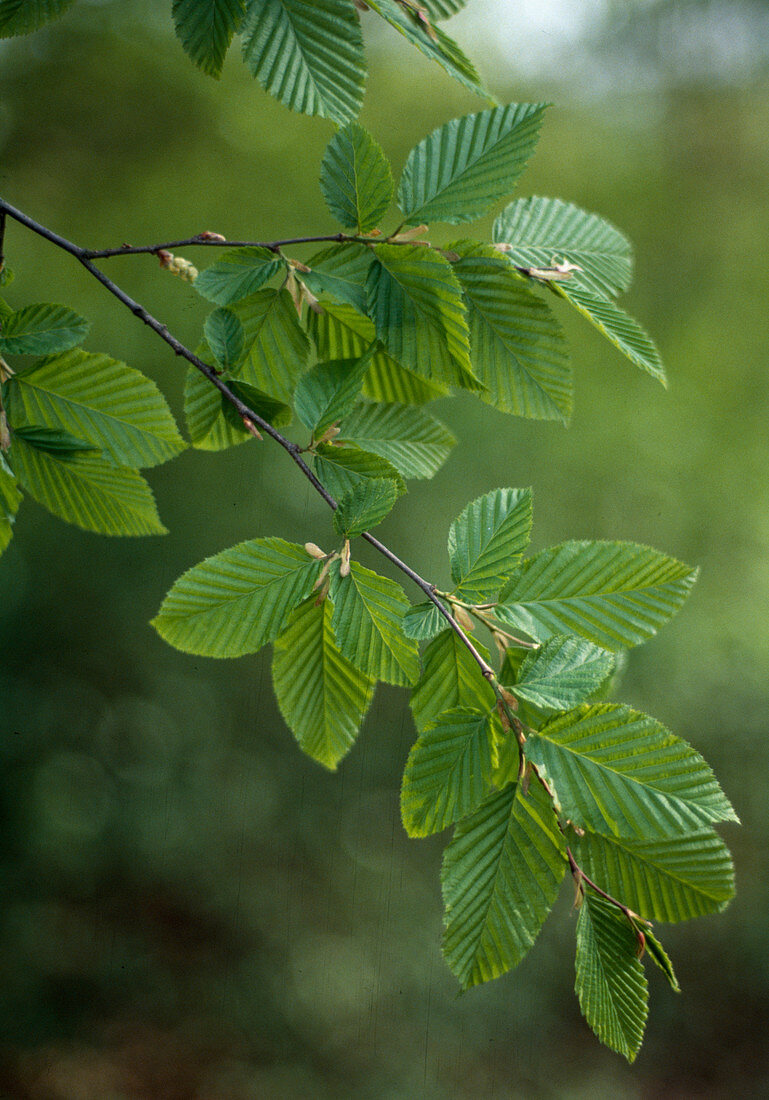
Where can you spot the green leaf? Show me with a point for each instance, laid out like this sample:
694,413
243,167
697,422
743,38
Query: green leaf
563,673
500,878
238,600
322,698
540,232
462,168
225,337
416,443
328,391
308,54
355,179
341,469
518,349
619,771
423,621
416,305
115,408
277,346
450,678
448,772
41,330
237,274
368,612
487,540
659,957
341,271
274,412
23,16
10,499
342,333
438,46
83,489
442,9
615,594
52,440
209,429
364,507
673,879
610,984
205,29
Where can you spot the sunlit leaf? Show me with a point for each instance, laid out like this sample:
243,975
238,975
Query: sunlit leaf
487,540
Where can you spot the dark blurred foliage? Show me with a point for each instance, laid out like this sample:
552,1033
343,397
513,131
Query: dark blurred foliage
194,911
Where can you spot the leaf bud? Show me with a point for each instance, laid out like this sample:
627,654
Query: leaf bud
313,550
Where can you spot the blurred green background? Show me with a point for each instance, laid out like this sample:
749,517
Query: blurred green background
191,909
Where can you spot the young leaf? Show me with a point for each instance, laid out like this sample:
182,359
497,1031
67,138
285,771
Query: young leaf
115,408
342,271
328,391
673,879
610,983
423,621
308,54
342,469
322,698
225,337
563,673
450,678
487,540
416,305
277,346
615,594
368,611
23,16
10,499
462,168
237,274
660,958
81,488
500,878
364,507
448,772
518,349
355,179
416,443
41,330
205,29
238,600
617,771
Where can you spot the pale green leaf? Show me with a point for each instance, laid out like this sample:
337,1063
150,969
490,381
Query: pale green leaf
308,54
238,273
414,441
462,168
660,958
205,29
442,9
341,469
566,671
209,429
95,398
341,271
487,540
500,878
364,507
23,16
355,179
10,499
238,600
328,391
367,620
276,344
423,621
225,337
615,594
450,678
615,770
321,696
41,330
610,982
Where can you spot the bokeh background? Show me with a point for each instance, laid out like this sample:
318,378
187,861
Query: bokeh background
191,910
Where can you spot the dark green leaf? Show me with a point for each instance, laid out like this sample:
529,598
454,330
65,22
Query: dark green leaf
205,29
274,412
237,274
341,469
364,507
276,344
41,330
487,540
225,337
565,672
659,957
208,426
328,391
10,499
415,442
23,16
355,179
53,441
341,271
450,678
423,621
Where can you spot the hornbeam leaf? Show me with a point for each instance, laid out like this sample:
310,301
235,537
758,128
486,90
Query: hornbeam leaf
416,443
617,771
277,346
341,469
205,29
274,412
41,330
93,397
566,671
225,337
208,426
321,696
416,305
52,441
462,168
500,878
610,982
238,600
487,540
355,179
615,594
341,271
660,958
539,232
450,678
23,16
308,54
364,507
423,621
368,612
674,879
10,499
442,9
448,772
518,349
82,488
328,391
237,274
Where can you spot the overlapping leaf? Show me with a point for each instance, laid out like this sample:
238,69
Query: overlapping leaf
225,337
423,621
23,16
487,540
208,427
342,272
500,878
450,678
277,344
322,697
328,391
617,771
342,469
355,178
364,507
236,274
41,330
205,29
615,594
238,600
416,443
565,672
